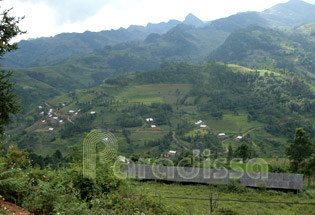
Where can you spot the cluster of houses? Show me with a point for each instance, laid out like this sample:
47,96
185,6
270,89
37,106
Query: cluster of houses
201,124
50,117
150,120
74,112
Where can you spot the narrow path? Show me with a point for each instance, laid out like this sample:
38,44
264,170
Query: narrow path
244,135
178,143
226,148
253,129
48,105
68,118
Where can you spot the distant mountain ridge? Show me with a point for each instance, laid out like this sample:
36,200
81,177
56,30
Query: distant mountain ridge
56,50
53,50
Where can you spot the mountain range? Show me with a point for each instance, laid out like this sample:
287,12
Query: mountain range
168,71
54,50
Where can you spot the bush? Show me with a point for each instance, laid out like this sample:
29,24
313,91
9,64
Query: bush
262,186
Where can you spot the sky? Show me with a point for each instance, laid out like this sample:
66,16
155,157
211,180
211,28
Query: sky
45,18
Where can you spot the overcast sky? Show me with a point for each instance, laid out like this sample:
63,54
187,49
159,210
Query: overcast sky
51,17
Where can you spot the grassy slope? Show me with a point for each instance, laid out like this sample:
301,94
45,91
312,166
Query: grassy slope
202,207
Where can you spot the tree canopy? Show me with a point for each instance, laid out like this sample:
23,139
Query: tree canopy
8,104
300,149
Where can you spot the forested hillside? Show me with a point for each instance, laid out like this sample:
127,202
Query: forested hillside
68,62
229,99
236,93
258,47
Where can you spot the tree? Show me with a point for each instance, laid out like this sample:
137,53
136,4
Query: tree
308,168
300,149
230,154
8,104
243,151
216,154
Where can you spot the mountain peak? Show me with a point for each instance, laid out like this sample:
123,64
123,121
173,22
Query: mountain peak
191,19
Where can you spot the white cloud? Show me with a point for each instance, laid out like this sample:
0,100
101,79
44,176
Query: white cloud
50,17
71,11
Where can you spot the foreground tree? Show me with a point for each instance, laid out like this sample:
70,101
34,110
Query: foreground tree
308,168
243,151
300,150
8,103
230,154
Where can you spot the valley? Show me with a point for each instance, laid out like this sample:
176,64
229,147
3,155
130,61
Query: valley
235,93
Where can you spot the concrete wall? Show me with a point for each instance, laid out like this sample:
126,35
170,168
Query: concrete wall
203,175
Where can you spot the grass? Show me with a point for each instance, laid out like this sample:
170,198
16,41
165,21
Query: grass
153,93
201,207
235,124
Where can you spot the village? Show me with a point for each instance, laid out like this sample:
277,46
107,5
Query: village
55,117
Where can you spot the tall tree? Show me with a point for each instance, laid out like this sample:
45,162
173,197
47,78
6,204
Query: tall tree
300,149
8,103
308,168
243,151
230,154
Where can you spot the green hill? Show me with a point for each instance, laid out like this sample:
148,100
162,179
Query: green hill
263,107
181,44
290,14
258,47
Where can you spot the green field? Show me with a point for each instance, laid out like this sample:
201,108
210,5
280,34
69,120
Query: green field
197,206
232,124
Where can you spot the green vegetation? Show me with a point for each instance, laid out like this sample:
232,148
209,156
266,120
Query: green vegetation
139,84
46,191
229,99
262,48
232,191
8,103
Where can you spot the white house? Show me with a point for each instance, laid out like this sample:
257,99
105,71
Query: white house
42,113
61,121
123,159
171,152
221,134
40,107
203,126
239,137
55,117
50,129
50,110
149,119
198,123
71,111
63,105
93,112
43,120
153,126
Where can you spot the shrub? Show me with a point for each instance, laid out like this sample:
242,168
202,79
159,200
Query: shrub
262,186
